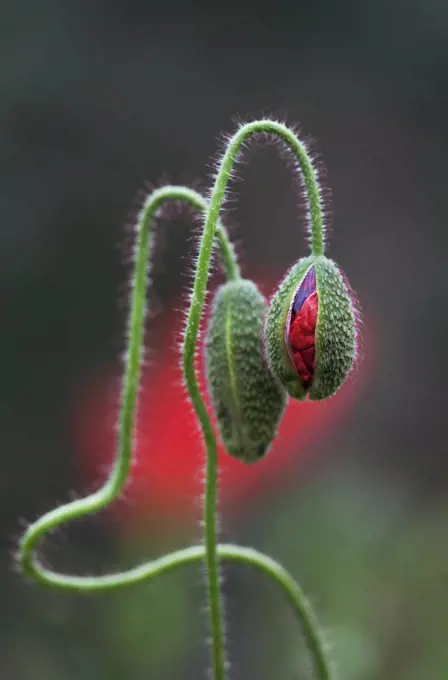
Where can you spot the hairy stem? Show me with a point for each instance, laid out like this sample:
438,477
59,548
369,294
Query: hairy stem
315,210
304,166
228,552
210,497
120,471
113,486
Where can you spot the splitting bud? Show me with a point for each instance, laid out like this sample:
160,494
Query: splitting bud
310,335
247,400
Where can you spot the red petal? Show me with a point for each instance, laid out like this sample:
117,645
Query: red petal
302,338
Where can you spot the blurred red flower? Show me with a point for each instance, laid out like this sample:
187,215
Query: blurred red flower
167,476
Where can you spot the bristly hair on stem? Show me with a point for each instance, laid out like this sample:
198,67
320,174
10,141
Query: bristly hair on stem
303,165
211,552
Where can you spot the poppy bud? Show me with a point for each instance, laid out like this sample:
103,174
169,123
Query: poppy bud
310,329
247,400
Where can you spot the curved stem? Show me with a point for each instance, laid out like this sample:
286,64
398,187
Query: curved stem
228,552
226,249
315,213
304,166
211,485
118,476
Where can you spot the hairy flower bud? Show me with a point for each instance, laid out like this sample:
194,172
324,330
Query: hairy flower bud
247,400
310,329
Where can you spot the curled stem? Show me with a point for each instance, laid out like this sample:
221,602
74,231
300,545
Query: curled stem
304,166
315,214
120,471
116,481
228,552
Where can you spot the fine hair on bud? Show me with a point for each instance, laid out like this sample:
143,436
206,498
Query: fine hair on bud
247,400
310,332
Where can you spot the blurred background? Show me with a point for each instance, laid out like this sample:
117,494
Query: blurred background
97,98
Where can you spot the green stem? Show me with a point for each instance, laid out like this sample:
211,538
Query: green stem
315,214
120,471
304,166
210,496
228,552
117,479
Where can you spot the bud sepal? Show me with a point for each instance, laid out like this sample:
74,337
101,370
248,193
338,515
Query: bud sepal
247,400
310,331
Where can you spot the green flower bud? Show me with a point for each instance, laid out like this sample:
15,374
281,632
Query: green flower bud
247,400
310,334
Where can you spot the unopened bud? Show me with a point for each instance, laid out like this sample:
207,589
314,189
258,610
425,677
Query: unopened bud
310,336
247,400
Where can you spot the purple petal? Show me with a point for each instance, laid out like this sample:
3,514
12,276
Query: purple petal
306,288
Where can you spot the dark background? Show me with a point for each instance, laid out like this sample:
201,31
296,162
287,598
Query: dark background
96,98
